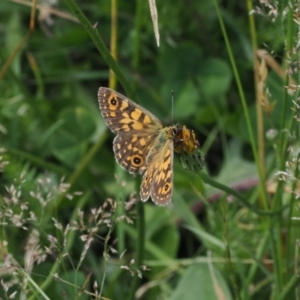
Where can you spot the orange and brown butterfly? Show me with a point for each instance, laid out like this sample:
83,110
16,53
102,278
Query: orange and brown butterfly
143,145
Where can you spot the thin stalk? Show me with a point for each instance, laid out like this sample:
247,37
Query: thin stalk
140,248
140,206
277,221
13,55
119,195
232,275
38,161
286,292
137,37
238,195
289,230
245,109
259,110
112,84
260,251
113,41
106,252
40,93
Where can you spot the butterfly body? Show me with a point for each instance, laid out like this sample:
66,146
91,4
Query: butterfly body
144,146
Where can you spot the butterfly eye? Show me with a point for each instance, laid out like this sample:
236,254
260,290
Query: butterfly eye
175,131
137,160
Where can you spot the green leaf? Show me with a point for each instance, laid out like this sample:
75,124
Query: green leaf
201,281
215,77
181,62
161,230
186,102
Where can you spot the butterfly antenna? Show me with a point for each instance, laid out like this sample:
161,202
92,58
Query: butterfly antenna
172,99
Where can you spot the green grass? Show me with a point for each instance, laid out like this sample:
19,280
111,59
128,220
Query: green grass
72,225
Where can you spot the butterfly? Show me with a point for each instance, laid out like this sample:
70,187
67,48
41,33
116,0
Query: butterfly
144,146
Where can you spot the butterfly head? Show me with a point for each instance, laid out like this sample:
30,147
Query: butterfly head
187,146
184,139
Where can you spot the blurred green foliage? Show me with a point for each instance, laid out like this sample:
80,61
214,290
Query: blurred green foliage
53,134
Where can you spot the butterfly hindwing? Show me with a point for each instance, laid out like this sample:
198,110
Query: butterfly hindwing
131,150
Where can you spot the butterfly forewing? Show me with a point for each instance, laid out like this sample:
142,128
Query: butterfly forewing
130,149
121,114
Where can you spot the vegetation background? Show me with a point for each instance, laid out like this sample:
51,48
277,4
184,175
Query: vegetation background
70,224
